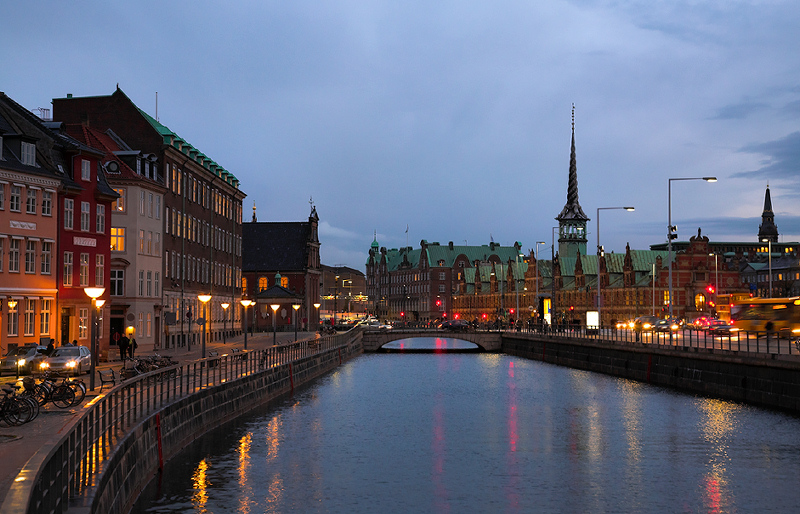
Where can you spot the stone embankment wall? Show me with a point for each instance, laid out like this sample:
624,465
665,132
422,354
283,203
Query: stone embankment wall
162,436
761,379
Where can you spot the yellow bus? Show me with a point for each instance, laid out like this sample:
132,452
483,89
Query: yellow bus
779,315
726,301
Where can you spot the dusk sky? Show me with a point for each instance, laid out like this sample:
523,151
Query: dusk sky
451,118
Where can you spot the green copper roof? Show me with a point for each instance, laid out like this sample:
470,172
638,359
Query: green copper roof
177,142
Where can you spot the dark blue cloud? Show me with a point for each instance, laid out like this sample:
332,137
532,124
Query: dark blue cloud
739,111
782,159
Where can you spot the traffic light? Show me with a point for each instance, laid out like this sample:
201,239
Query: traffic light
438,302
673,232
710,289
402,314
511,311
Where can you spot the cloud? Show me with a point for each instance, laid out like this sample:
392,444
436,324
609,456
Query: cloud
782,159
739,111
328,230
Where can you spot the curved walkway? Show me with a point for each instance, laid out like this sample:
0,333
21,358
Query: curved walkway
19,444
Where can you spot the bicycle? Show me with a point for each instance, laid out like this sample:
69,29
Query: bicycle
62,395
16,409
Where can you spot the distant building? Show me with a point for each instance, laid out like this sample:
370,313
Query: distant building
281,266
344,291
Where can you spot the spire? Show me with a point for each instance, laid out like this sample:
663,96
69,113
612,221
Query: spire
572,210
254,212
767,230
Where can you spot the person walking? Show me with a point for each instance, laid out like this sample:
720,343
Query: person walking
123,346
132,346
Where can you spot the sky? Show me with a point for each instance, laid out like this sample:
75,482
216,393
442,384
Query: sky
451,120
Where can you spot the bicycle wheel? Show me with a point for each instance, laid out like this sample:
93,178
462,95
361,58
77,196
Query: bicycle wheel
63,397
42,393
26,410
79,390
33,406
10,410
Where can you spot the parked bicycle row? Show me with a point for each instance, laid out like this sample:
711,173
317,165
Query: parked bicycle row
20,403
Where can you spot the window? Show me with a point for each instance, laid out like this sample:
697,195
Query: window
83,323
28,154
284,281
158,207
13,203
141,282
30,256
441,288
140,328
262,283
85,208
69,206
13,256
117,282
141,241
44,318
84,270
47,250
2,239
157,244
157,284
100,219
244,285
99,269
141,203
67,268
149,245
117,239
119,203
12,323
149,283
47,203
86,170
149,205
149,324
442,275
30,201
30,318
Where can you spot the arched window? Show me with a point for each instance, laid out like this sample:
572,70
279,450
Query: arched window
262,283
244,285
284,281
700,303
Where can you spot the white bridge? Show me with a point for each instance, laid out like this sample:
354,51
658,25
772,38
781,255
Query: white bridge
373,340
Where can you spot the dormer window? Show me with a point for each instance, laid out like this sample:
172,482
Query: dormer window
86,170
28,154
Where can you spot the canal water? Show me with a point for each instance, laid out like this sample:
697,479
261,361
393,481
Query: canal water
472,432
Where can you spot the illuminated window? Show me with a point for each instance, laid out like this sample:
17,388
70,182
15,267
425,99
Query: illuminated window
262,283
117,239
700,302
119,203
30,317
83,323
244,284
84,270
284,281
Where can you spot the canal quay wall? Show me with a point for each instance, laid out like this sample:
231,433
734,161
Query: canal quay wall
160,437
766,380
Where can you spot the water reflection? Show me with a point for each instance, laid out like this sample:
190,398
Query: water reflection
430,343
200,483
718,424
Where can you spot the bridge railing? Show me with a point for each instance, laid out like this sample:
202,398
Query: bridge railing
74,463
739,341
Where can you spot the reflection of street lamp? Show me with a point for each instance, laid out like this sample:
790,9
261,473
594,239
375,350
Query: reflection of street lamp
224,319
94,293
769,242
245,304
600,254
672,231
295,306
204,298
536,299
275,308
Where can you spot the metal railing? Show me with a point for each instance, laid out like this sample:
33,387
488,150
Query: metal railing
75,462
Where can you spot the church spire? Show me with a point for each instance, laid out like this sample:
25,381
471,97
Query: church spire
572,220
767,230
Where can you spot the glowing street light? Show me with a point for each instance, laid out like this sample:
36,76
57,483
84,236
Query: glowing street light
205,299
224,319
275,308
94,293
295,306
245,303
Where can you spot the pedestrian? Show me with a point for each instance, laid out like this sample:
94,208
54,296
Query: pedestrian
132,346
123,346
50,348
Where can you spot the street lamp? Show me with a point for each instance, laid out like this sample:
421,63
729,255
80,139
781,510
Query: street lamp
672,231
245,304
275,308
316,306
769,242
204,298
553,277
94,293
224,319
295,306
600,254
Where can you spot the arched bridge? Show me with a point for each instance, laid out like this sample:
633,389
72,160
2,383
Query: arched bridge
372,340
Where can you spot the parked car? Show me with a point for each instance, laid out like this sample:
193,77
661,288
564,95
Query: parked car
24,356
70,359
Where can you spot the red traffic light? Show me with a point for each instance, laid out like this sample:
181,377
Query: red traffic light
511,311
402,314
438,303
710,289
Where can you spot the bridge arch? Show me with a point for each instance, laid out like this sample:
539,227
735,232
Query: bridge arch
373,340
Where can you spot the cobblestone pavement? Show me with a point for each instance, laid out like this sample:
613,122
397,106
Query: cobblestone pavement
18,444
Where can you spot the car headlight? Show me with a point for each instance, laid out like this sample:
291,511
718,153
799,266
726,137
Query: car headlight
646,326
71,364
44,365
21,362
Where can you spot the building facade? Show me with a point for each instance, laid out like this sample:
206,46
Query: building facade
202,219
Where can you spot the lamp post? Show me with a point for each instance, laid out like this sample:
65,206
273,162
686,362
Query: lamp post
553,278
295,306
536,299
224,319
316,307
245,304
599,255
275,308
672,231
94,293
204,298
12,304
769,258
716,281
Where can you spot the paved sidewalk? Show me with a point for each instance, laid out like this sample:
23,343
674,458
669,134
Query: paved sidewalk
18,444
